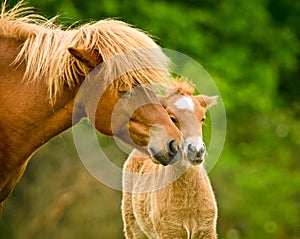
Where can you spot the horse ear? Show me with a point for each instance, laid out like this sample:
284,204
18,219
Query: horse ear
207,101
90,58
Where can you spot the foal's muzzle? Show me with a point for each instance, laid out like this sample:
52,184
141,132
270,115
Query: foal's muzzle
194,155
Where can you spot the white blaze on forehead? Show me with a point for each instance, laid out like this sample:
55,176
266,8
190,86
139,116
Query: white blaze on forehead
185,102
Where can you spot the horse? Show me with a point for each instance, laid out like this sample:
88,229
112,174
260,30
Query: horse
174,201
42,69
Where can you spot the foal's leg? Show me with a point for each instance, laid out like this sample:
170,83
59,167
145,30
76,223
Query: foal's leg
131,227
209,234
168,230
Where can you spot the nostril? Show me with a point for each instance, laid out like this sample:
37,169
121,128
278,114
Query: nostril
191,148
202,149
173,147
194,152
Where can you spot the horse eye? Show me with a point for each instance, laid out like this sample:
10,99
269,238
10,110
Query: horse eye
126,94
174,120
203,119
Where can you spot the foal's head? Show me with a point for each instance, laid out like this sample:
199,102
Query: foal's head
188,114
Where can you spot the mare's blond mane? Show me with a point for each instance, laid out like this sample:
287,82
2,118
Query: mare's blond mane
128,53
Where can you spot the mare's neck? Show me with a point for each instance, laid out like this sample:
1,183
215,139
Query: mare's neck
27,118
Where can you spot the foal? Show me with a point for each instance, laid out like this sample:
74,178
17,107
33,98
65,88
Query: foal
174,201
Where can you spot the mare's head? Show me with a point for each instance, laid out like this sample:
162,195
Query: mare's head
128,58
128,107
188,114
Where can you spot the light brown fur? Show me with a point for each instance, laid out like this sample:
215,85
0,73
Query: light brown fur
175,201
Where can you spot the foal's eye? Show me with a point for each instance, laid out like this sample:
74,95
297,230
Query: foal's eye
203,119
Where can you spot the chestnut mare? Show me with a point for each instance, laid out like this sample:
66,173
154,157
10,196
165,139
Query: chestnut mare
42,68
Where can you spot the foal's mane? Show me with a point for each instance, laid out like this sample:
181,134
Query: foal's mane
128,53
183,86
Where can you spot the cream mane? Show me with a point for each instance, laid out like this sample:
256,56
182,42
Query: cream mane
128,53
183,86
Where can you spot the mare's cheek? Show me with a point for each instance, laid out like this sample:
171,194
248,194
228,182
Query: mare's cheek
139,133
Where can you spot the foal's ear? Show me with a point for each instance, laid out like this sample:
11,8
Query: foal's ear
90,58
207,101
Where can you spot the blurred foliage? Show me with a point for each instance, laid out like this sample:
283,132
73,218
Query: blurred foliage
251,49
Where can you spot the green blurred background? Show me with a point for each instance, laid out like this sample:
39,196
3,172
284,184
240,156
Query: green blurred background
251,49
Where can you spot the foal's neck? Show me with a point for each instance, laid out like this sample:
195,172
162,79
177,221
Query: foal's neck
188,172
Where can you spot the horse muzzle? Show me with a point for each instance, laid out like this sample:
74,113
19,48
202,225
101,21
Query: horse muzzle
195,155
170,154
